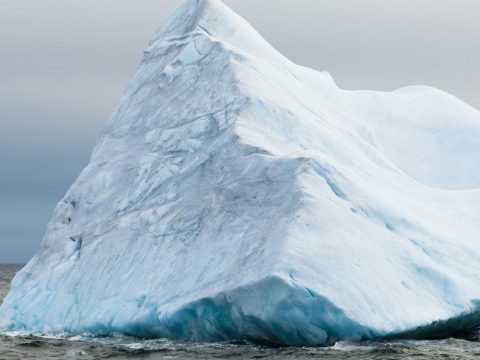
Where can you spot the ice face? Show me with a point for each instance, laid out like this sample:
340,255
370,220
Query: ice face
236,195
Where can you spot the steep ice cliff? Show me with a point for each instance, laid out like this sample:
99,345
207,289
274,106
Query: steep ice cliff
236,195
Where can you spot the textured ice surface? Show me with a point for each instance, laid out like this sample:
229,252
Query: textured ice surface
236,195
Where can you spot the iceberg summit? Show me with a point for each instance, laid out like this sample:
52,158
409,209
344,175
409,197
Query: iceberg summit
234,195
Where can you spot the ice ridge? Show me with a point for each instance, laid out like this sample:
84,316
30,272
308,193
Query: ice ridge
234,195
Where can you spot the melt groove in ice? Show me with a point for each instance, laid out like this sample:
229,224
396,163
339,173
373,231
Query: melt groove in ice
236,195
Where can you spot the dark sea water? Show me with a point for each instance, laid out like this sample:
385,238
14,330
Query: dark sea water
16,347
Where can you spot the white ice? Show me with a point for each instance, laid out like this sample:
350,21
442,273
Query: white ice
236,195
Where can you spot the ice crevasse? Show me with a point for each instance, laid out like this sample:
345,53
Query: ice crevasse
236,195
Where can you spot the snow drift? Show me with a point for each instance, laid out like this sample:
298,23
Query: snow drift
236,195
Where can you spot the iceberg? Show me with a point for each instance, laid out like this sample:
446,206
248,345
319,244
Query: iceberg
235,195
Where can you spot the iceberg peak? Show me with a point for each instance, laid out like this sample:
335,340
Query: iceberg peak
216,20
234,195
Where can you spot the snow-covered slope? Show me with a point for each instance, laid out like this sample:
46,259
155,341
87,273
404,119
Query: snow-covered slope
236,195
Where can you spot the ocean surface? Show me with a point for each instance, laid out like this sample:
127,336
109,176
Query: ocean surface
21,347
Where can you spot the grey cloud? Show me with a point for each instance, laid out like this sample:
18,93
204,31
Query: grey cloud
64,64
22,224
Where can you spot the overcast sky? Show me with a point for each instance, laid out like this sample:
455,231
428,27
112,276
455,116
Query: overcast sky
64,64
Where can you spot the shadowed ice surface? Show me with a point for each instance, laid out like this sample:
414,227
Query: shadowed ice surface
236,195
19,347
